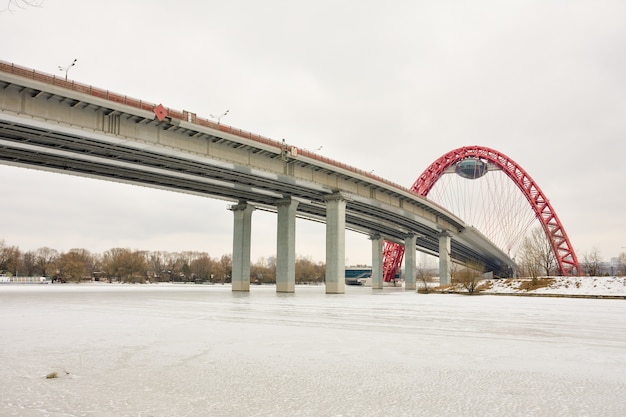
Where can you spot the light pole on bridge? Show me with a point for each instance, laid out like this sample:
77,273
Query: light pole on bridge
319,148
66,69
219,117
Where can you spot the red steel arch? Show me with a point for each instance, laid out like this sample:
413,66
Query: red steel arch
564,253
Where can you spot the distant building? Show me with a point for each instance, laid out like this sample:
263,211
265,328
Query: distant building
4,279
356,275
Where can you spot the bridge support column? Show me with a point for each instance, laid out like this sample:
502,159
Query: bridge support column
286,246
445,262
377,261
335,244
410,262
241,246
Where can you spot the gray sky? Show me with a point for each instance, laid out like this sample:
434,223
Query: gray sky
383,86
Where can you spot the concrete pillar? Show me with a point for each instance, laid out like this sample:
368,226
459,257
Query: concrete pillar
286,246
410,262
241,246
335,244
445,262
377,261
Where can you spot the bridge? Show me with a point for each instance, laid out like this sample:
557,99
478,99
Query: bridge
53,124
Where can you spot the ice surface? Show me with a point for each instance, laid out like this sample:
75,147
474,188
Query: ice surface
195,350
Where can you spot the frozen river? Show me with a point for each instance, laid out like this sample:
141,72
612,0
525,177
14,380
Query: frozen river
178,350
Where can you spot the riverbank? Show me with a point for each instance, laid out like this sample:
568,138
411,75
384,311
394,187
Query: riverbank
575,287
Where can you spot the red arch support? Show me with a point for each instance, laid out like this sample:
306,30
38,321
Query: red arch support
552,226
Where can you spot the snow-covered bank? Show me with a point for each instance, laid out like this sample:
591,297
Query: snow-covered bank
593,287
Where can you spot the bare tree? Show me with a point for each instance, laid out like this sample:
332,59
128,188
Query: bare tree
9,258
536,255
308,271
125,264
202,266
469,276
156,266
621,266
75,265
13,5
224,269
45,258
424,276
263,271
175,265
592,263
28,264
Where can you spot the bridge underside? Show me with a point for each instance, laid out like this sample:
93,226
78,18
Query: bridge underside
44,149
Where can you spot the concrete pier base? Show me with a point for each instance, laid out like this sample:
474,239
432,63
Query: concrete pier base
335,244
410,262
286,246
241,246
377,261
445,262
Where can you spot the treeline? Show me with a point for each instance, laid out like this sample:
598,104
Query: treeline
137,266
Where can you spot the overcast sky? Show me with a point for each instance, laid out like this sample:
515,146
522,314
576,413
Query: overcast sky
383,86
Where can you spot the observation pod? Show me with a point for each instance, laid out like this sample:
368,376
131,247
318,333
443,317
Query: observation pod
471,168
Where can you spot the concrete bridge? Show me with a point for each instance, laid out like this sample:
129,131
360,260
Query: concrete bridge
53,124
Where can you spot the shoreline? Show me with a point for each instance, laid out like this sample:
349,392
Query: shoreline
521,294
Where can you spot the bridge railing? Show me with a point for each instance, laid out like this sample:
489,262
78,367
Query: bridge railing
180,115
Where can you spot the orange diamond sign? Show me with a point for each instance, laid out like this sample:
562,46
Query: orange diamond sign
160,112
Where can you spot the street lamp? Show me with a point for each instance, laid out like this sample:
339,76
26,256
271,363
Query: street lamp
314,151
219,117
66,69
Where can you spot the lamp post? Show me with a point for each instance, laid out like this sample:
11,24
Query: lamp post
219,117
319,148
66,69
